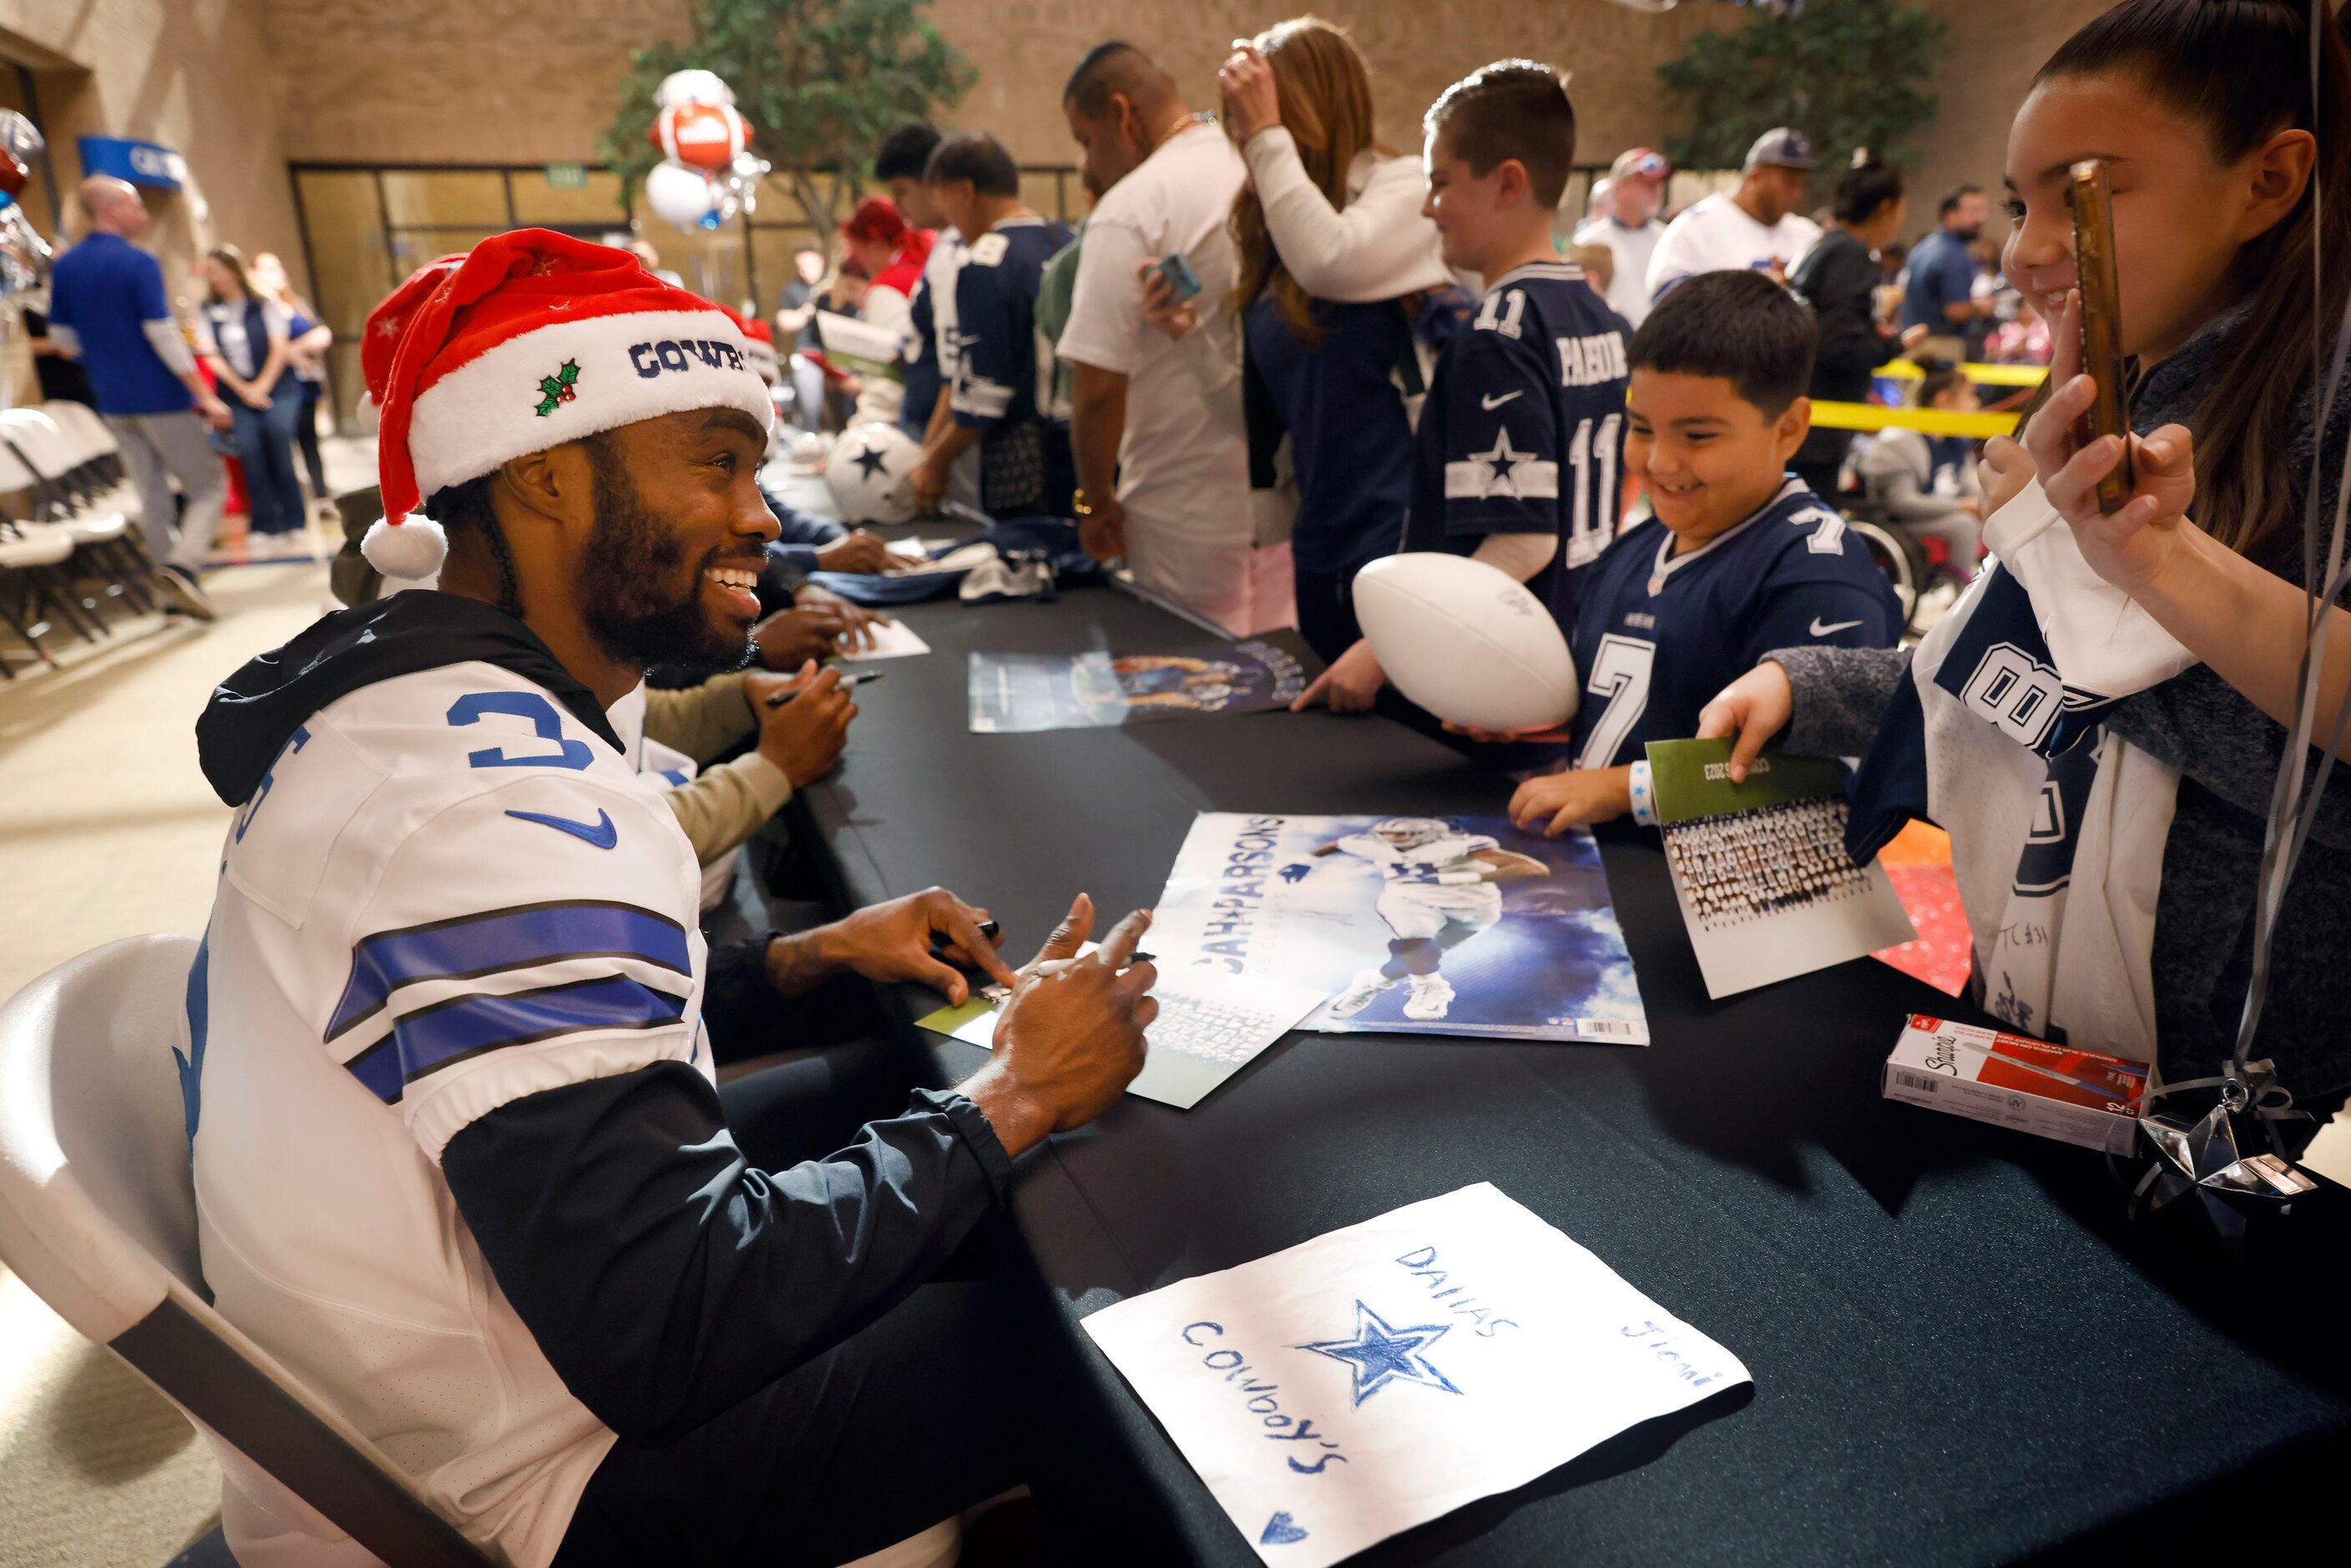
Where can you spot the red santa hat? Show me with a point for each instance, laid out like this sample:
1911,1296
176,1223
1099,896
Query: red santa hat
533,339
389,319
758,343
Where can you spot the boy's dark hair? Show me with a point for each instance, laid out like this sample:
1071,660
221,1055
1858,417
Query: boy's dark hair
1935,383
978,157
1512,108
1951,203
1740,326
904,152
1864,189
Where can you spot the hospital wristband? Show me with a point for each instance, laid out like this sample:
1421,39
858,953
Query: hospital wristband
1645,798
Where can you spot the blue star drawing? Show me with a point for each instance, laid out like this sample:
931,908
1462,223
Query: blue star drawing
1380,1356
873,462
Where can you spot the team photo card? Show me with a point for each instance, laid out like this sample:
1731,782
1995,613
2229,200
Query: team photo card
1760,870
1020,692
1338,1391
1453,926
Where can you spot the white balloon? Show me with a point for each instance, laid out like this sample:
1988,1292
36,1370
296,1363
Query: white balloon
694,87
677,193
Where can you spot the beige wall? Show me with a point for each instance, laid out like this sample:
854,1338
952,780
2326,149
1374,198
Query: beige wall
368,79
190,74
1995,47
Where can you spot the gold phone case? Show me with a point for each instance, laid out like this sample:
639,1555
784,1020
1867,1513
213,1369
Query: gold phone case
2102,352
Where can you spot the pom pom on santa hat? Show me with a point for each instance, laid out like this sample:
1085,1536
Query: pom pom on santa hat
531,339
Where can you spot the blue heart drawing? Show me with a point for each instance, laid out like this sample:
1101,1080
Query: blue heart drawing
1280,1531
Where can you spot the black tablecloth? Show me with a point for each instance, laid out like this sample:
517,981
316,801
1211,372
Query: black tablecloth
1960,1352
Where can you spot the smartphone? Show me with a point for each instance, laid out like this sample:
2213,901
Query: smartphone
1179,276
2102,345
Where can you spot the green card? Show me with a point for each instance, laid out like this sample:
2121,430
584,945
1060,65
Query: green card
1692,780
975,1022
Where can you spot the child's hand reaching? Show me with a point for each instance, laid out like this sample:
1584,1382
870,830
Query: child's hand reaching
1558,801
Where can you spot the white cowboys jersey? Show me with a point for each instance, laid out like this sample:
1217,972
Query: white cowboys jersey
1414,873
446,896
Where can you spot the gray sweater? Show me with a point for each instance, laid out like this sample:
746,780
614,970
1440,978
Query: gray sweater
2228,753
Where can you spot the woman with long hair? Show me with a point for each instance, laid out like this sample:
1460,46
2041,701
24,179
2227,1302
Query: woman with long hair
242,333
1335,262
2100,721
308,338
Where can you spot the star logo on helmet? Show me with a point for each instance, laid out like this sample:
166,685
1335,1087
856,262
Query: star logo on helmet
559,388
873,462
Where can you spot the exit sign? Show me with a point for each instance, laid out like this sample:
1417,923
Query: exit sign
566,176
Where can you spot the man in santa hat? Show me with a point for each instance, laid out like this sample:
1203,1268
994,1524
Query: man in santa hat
460,1162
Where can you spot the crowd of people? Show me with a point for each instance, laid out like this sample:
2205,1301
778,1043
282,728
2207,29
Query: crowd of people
454,973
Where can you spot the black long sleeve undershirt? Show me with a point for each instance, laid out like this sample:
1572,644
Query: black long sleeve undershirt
664,1277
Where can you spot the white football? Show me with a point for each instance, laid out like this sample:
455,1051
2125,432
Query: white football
1466,641
870,474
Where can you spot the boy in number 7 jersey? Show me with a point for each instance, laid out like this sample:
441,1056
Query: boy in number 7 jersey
1740,558
1516,457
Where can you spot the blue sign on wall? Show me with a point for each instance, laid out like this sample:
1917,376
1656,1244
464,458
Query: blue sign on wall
140,163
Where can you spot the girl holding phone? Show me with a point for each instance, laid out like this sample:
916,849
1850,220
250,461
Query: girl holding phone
2232,181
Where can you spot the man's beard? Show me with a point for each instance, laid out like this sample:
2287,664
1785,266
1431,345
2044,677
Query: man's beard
627,560
1970,233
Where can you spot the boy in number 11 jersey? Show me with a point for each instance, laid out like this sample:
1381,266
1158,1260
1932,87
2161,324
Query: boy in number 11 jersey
1517,457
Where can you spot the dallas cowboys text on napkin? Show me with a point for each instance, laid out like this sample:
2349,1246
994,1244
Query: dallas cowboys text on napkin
1375,1378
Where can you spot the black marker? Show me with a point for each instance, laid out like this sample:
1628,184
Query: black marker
857,679
939,943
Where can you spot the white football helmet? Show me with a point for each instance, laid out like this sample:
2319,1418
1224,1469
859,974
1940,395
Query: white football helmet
870,474
1409,832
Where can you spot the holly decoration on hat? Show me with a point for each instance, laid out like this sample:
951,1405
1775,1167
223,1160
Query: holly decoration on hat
559,388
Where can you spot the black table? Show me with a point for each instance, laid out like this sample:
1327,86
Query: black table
1962,1352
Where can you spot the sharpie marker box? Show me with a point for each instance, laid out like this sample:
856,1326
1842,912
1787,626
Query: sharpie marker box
2085,1097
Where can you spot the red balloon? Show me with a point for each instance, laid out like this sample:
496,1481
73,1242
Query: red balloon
707,135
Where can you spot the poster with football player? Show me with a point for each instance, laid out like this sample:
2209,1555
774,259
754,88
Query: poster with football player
1017,693
1416,925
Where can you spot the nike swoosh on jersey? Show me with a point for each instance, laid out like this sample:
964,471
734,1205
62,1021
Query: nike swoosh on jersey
1818,630
1490,402
600,833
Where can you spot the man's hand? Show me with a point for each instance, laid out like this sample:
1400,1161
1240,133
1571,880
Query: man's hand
861,551
1070,1040
215,411
1251,104
887,943
1351,685
930,481
1161,309
790,638
1754,708
252,399
805,737
857,622
1102,532
1558,801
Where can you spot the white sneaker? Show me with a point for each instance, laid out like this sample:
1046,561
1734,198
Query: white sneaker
1367,984
1431,995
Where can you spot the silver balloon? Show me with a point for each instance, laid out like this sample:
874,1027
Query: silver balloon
23,255
20,137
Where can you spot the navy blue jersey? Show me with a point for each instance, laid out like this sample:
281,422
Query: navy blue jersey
918,360
1350,441
1003,374
1660,635
1523,431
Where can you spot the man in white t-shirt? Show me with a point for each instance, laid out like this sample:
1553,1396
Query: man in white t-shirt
1755,227
1629,227
1162,414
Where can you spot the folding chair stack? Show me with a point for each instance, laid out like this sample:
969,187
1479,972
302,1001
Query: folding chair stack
64,554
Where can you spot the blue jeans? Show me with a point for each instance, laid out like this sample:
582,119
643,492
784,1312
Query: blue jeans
264,440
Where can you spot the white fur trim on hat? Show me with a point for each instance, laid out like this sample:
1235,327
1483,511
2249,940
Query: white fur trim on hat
409,549
572,379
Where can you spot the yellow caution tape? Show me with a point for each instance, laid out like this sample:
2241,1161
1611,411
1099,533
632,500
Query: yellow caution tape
1986,375
1933,421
